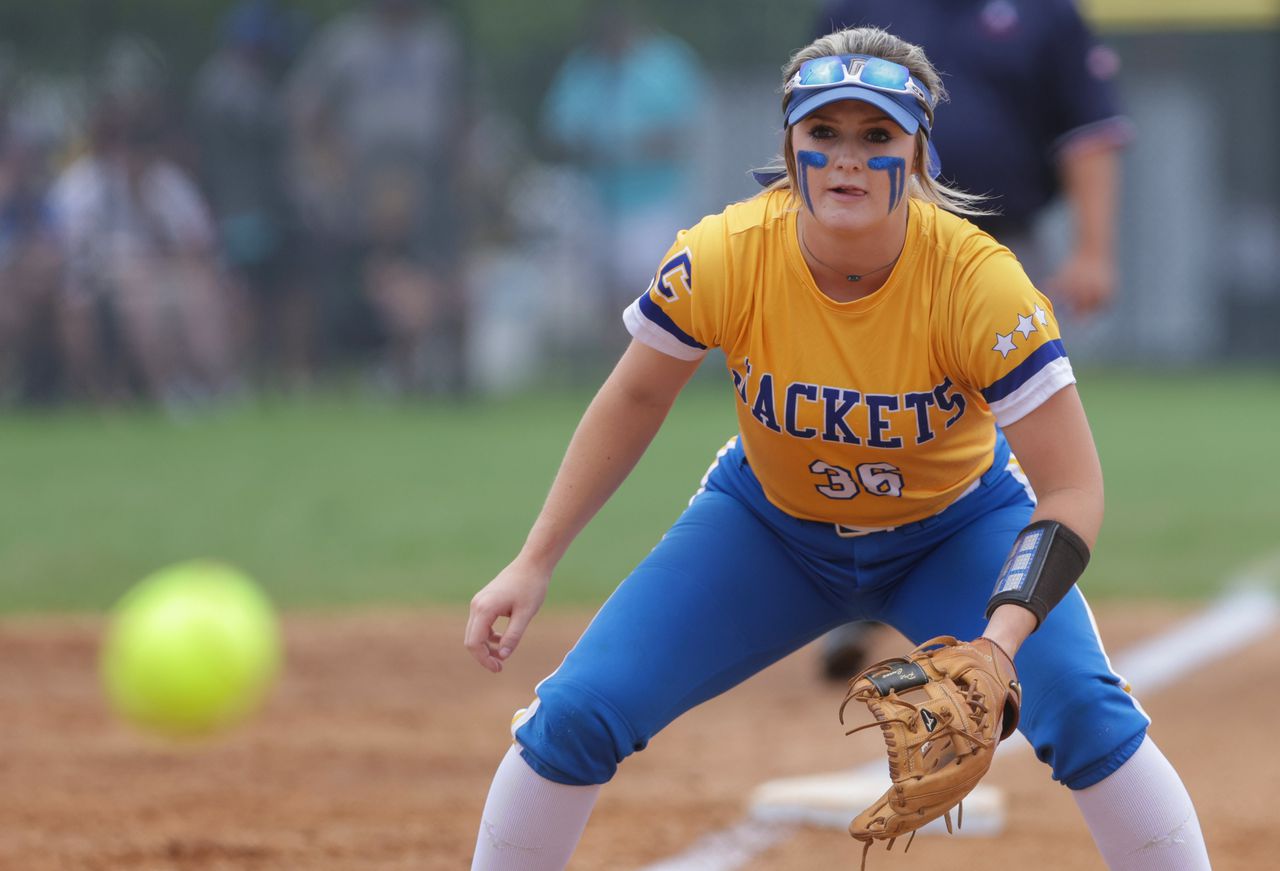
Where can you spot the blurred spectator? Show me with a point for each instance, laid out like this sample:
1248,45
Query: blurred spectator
1034,72
28,256
624,107
143,307
238,117
377,105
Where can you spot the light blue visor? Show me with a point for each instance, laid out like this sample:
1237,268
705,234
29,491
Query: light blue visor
888,86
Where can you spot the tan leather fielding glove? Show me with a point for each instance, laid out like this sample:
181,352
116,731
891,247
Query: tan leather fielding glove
942,710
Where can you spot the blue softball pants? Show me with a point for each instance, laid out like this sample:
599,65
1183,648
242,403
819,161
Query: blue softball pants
736,584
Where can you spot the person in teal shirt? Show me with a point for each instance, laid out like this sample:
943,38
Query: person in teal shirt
621,109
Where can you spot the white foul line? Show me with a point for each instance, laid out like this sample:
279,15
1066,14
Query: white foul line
1246,613
727,849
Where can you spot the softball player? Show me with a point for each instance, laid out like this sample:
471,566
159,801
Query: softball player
886,357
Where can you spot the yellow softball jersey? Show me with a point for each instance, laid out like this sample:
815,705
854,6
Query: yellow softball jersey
871,413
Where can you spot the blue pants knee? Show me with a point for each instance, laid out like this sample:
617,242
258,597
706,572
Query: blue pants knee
1088,731
575,737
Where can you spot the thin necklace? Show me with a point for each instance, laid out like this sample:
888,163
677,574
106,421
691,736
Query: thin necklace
848,276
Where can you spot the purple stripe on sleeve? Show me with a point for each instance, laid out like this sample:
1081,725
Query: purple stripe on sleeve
1038,359
656,315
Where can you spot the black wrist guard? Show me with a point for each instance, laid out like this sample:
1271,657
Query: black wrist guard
1045,562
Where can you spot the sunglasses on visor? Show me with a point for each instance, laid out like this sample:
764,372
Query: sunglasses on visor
875,73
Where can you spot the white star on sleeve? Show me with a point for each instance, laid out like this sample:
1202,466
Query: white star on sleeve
1025,326
1004,344
1041,315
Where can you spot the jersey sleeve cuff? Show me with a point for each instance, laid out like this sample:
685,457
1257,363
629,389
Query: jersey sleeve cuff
1054,376
646,331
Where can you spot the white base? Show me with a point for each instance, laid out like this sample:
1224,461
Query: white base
832,800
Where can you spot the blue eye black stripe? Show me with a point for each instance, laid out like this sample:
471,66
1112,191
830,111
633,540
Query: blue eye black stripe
897,169
807,159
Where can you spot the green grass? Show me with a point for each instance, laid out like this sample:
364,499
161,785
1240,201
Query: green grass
1192,470
351,500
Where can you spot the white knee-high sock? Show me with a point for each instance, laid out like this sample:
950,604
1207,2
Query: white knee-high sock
1141,816
530,823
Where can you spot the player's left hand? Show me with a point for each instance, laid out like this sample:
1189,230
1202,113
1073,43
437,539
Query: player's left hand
942,709
1085,281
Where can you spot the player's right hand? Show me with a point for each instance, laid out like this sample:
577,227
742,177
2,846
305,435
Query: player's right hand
516,593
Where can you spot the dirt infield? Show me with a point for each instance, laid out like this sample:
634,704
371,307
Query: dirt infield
376,750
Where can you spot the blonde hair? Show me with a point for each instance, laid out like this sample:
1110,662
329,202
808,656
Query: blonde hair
880,43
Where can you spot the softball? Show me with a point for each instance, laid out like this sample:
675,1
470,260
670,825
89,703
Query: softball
190,650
